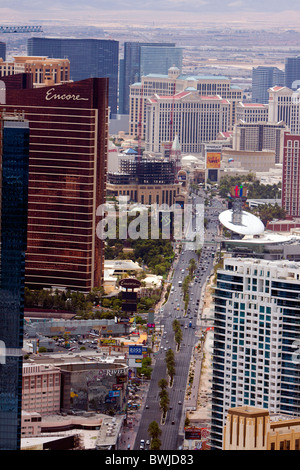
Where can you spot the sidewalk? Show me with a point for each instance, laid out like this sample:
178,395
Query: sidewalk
128,434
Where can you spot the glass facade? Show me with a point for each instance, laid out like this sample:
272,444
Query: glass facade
292,71
137,63
264,78
14,196
159,60
256,340
89,58
67,168
2,50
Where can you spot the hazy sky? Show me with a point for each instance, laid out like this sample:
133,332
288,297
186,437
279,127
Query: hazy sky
40,6
24,10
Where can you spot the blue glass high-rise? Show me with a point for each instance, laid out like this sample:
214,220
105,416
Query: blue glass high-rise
142,59
89,58
13,206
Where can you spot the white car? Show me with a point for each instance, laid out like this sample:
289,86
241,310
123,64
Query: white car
142,444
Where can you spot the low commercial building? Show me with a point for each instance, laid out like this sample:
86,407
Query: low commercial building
69,384
248,160
85,431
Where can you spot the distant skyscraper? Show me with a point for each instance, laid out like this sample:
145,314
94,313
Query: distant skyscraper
256,337
264,78
89,58
139,60
292,72
67,170
2,50
13,206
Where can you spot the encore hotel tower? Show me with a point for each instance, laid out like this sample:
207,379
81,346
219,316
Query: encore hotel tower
67,168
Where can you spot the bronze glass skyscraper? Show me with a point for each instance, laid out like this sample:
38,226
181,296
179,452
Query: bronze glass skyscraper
67,168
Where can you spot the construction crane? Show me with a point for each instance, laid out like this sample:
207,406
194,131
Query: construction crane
21,29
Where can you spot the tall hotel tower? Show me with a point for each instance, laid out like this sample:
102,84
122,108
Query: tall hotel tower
14,155
291,175
67,168
256,339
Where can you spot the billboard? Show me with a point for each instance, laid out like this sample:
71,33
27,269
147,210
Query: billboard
193,433
134,363
130,283
135,350
213,160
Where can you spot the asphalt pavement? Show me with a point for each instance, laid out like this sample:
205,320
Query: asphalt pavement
173,427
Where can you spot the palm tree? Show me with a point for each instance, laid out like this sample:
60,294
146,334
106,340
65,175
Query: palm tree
164,403
154,430
155,444
178,337
163,384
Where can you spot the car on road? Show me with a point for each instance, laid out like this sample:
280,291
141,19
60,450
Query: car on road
142,444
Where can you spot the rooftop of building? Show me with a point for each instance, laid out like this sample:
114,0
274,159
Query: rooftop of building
96,430
248,411
266,238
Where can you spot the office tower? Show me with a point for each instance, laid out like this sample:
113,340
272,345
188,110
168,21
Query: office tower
45,71
258,136
2,50
292,72
193,118
256,335
172,83
67,169
89,58
264,78
139,61
153,60
291,175
13,205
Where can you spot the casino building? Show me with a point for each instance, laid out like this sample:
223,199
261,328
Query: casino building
67,167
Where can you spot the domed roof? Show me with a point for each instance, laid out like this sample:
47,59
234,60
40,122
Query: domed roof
189,158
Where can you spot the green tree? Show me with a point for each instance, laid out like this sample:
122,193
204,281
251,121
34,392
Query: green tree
154,430
162,384
155,444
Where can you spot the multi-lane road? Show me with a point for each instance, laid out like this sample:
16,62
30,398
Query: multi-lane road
172,429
